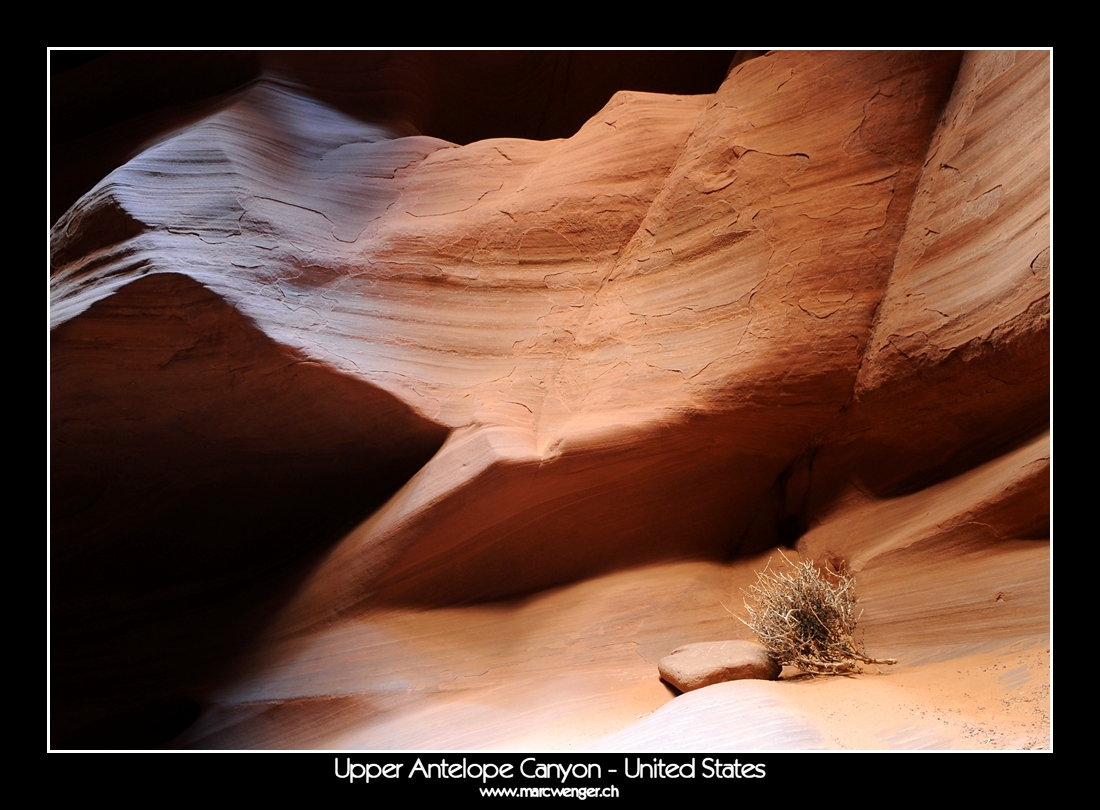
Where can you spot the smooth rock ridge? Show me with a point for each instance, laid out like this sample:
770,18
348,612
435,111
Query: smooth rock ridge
694,666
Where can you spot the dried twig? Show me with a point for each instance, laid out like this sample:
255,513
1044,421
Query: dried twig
807,619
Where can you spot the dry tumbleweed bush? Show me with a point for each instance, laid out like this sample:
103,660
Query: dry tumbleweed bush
806,618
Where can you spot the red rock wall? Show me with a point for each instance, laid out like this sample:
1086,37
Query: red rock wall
957,369
687,330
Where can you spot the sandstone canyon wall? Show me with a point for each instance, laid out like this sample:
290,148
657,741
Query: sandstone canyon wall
314,367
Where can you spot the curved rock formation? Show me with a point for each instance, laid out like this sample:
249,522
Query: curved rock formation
370,380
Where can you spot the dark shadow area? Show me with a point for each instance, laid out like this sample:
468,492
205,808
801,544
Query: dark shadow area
933,426
684,490
145,728
198,469
61,61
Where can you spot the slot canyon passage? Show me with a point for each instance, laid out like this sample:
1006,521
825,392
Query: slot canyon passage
426,400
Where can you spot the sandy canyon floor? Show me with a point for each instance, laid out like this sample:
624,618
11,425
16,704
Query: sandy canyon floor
576,669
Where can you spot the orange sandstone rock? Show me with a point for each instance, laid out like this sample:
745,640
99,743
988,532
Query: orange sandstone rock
694,666
314,378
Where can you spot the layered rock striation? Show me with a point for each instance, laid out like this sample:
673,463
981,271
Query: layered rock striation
307,368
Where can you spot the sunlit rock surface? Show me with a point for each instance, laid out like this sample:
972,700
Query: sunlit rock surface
363,438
